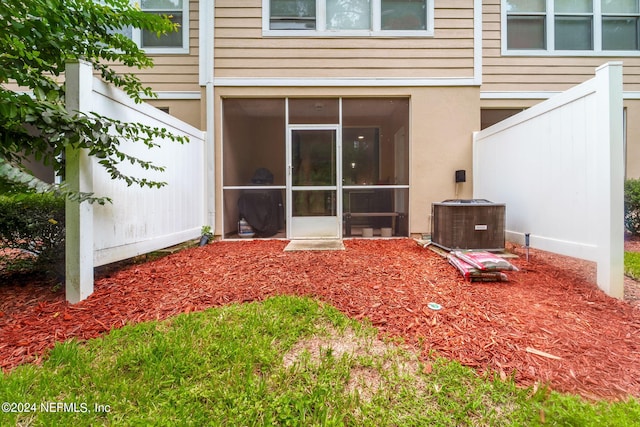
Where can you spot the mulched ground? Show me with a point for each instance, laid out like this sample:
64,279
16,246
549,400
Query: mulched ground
550,305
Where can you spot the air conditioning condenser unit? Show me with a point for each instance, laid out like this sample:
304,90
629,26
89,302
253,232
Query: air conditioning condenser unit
468,224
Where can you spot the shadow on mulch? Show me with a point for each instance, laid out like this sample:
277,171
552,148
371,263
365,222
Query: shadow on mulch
549,308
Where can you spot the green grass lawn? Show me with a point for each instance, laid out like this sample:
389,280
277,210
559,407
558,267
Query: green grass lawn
632,264
285,361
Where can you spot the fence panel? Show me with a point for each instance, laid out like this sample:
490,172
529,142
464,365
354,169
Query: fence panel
559,167
139,220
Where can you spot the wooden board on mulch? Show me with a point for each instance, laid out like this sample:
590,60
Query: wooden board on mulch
547,324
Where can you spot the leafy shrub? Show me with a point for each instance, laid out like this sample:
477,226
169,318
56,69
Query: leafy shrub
632,206
34,224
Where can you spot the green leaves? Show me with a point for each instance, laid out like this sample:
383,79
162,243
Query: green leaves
20,180
34,224
37,39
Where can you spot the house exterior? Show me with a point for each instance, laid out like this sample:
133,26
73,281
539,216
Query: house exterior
328,118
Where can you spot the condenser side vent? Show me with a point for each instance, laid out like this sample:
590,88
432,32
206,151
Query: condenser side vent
468,224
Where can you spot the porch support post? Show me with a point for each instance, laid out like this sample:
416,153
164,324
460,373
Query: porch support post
79,177
610,216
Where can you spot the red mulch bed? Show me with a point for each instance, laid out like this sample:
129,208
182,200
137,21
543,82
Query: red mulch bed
550,305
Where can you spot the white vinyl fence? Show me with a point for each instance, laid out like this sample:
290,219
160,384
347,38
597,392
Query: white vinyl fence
559,167
139,220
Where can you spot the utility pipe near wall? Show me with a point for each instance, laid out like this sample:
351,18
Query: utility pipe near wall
206,76
211,158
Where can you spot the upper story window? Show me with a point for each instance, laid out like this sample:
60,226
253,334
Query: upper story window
571,26
175,42
348,17
178,13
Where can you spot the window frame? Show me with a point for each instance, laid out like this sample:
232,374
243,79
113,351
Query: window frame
322,31
549,32
136,35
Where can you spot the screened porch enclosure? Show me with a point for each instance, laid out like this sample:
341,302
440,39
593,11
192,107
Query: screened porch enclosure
316,167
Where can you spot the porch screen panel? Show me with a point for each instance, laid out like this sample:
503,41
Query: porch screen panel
253,153
375,141
254,135
314,111
375,165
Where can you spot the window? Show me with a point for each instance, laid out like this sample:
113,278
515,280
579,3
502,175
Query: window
348,17
175,42
526,24
566,26
620,29
573,25
177,11
293,15
404,15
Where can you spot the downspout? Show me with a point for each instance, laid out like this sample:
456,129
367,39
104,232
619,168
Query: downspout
211,159
206,73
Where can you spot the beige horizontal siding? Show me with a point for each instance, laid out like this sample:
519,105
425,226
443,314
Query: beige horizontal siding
356,53
242,51
175,72
366,45
539,73
365,73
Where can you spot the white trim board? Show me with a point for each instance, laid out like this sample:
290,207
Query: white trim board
355,82
539,95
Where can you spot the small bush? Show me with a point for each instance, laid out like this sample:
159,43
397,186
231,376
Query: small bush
34,224
632,206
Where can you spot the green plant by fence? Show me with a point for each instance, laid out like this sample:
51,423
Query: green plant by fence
33,224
